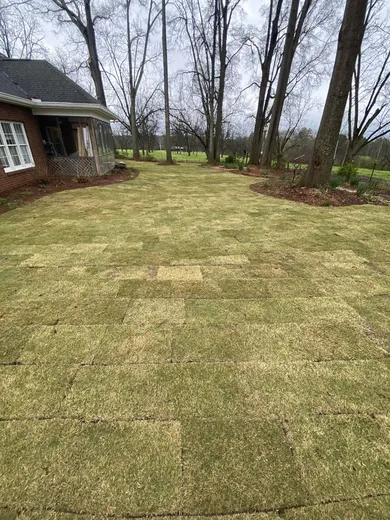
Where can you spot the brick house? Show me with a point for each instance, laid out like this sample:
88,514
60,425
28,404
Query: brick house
48,123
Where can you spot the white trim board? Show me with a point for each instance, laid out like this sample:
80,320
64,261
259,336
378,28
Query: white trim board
50,108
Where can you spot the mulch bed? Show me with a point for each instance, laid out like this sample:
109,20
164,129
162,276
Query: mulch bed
20,196
312,196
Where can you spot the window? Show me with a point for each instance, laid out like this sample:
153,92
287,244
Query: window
15,153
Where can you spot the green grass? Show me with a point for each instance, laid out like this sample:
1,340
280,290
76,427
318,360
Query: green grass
200,157
180,346
160,155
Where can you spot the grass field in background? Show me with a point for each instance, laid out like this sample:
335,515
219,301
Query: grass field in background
179,347
200,157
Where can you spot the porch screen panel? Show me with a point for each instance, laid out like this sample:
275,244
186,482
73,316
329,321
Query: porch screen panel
105,145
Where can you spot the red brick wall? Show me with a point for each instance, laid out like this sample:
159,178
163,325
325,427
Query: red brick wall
24,115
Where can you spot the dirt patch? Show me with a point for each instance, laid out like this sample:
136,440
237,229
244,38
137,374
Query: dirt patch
23,195
313,196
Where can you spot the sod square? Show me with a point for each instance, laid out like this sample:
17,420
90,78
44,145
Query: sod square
342,456
12,342
274,342
90,311
253,288
206,390
376,311
376,508
31,312
228,260
109,392
268,310
351,268
120,344
103,468
294,389
32,391
63,344
237,465
186,273
152,312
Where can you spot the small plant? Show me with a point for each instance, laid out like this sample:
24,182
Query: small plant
362,189
354,181
348,170
240,166
248,169
336,182
230,159
14,204
326,203
3,200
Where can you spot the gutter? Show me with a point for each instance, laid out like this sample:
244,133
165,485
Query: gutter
39,107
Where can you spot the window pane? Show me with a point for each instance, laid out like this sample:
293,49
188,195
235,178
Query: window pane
26,154
3,157
15,156
9,136
19,133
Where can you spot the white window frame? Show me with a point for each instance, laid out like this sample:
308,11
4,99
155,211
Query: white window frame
24,165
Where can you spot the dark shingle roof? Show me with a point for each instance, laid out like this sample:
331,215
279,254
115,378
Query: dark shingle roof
40,79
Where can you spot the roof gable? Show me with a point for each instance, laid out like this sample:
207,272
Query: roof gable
41,80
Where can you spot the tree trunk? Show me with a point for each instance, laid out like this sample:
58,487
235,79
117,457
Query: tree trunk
257,139
222,75
93,55
211,144
350,40
166,85
290,44
134,129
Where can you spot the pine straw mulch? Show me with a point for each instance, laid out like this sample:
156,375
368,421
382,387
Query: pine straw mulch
313,196
18,197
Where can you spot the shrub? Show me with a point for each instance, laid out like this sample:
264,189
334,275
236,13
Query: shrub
121,155
365,161
148,158
335,182
230,159
348,171
240,166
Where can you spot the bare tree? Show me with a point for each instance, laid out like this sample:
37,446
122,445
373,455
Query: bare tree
206,26
350,40
21,35
166,84
292,38
368,114
124,63
79,13
266,56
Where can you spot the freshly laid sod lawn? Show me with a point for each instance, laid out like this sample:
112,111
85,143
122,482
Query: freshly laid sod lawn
180,346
